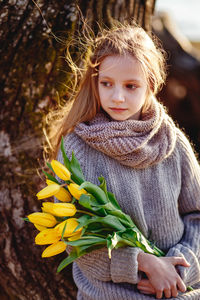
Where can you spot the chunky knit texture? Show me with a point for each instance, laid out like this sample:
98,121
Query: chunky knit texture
164,202
133,143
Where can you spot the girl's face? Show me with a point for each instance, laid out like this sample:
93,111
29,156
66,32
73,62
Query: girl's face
122,87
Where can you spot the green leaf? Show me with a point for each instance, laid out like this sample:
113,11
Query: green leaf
49,166
90,203
95,227
109,195
103,185
83,221
50,177
124,218
111,243
85,201
76,253
88,241
109,220
95,190
68,260
113,200
63,230
65,158
25,219
116,241
76,170
135,236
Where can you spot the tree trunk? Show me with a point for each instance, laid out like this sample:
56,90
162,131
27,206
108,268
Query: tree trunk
33,75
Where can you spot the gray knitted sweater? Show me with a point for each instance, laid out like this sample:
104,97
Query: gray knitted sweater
150,166
164,202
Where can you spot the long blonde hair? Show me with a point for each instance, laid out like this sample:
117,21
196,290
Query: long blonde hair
120,40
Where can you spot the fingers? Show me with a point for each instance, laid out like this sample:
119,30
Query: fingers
159,294
144,282
146,290
180,261
167,293
181,285
163,279
145,287
174,291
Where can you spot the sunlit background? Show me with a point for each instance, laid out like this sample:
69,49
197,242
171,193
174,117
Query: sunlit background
186,14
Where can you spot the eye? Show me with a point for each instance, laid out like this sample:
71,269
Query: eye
131,86
106,83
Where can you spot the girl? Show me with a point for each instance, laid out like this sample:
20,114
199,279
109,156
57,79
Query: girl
118,129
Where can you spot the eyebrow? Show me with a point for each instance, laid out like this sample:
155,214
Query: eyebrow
127,80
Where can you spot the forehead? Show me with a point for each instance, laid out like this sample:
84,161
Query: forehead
125,66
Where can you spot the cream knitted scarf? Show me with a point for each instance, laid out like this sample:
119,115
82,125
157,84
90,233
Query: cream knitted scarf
134,143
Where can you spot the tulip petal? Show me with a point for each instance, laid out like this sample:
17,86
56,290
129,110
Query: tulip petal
60,170
74,190
63,209
48,181
54,249
47,236
48,191
74,237
47,207
40,227
71,225
63,195
43,219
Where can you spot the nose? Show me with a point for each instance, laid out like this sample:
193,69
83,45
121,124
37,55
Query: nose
118,95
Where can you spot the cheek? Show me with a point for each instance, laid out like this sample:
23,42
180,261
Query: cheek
143,94
103,94
138,98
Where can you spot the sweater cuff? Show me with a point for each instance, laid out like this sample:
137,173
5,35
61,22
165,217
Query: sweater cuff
124,265
189,275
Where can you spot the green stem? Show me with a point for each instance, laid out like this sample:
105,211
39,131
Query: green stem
95,234
85,212
157,251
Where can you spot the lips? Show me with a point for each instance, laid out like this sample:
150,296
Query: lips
116,109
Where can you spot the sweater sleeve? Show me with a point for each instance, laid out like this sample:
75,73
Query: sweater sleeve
123,265
189,207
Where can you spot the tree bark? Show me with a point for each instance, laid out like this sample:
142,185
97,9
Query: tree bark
33,73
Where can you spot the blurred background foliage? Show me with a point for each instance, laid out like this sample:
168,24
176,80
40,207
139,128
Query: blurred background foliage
33,80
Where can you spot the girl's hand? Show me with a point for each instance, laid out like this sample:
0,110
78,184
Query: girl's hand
145,287
162,274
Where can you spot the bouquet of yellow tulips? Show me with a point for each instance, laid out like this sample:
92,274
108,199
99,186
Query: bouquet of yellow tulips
87,218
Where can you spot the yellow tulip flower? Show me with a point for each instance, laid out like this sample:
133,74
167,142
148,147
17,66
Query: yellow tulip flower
63,209
74,237
74,190
60,170
43,219
49,191
71,225
48,182
63,195
47,236
47,207
54,249
39,227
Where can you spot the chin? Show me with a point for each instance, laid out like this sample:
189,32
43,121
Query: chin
119,118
